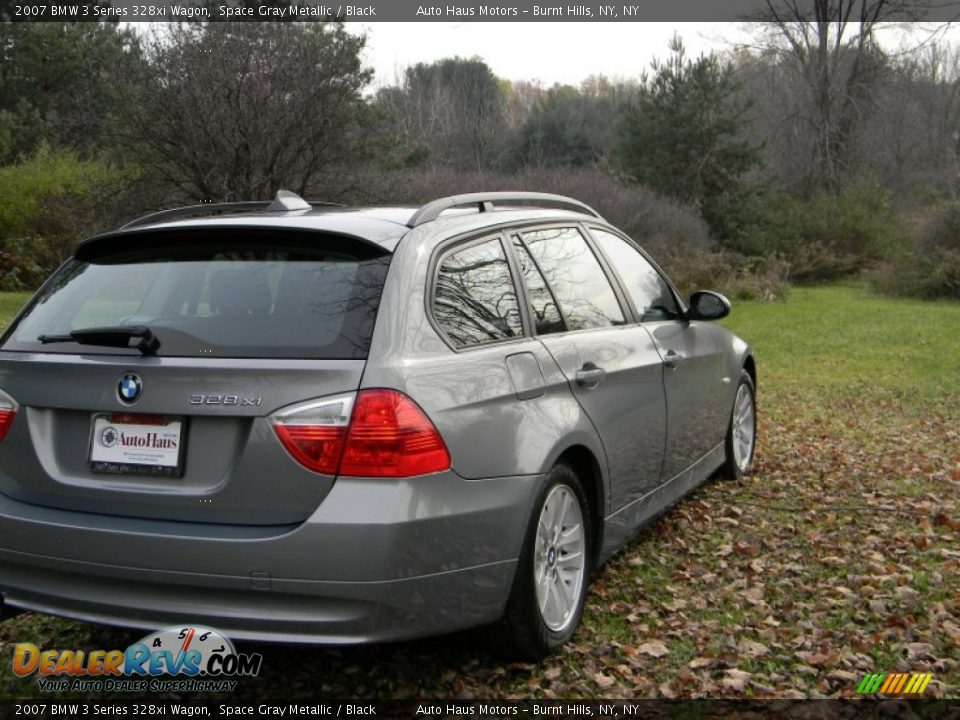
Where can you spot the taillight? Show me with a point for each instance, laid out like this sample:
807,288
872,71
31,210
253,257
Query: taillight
390,436
313,433
8,411
375,433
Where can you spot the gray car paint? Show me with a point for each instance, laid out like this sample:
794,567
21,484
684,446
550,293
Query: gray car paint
698,389
230,451
284,554
627,406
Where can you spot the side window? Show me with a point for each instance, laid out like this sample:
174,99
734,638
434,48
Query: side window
576,278
649,291
474,300
546,314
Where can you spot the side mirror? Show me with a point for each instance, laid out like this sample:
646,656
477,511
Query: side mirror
707,305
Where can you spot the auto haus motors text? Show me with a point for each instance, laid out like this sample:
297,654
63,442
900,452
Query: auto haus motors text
138,668
458,11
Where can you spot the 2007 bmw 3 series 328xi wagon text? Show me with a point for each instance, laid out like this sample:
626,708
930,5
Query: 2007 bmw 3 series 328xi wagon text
309,423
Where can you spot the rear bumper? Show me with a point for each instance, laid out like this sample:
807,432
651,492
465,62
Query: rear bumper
378,560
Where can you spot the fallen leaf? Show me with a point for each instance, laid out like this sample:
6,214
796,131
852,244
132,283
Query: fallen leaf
654,648
753,648
754,595
919,651
906,595
602,680
667,691
736,680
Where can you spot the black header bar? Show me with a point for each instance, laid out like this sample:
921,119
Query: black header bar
426,11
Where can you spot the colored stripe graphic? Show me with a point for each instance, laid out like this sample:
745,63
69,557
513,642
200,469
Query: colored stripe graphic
894,683
892,679
871,683
900,683
918,683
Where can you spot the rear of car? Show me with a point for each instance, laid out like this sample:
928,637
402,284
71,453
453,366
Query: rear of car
187,436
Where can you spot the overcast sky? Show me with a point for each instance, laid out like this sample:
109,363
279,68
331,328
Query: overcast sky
561,52
557,52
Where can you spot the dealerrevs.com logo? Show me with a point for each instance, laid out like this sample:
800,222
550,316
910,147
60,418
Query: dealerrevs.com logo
178,659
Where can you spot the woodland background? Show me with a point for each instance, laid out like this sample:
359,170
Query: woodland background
814,154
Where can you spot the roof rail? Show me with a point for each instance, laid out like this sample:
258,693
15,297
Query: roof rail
285,201
484,202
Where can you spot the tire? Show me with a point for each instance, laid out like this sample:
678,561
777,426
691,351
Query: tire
538,620
741,442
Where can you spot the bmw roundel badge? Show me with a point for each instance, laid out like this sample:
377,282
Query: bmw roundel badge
129,388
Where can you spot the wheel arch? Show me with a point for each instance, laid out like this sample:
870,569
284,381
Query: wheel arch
750,365
587,467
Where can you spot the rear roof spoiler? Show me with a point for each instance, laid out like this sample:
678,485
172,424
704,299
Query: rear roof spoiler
285,201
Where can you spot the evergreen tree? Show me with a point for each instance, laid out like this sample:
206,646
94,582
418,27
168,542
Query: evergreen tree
58,83
684,136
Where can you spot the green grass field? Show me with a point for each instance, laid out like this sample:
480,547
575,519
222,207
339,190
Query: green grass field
839,556
10,303
848,340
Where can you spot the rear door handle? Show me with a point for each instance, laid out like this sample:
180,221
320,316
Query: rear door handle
589,376
672,359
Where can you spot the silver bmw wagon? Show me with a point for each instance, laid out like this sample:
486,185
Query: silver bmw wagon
319,424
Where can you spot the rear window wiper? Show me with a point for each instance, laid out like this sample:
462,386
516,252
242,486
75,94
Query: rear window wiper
118,337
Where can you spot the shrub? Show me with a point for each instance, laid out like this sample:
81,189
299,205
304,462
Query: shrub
47,203
931,268
739,277
941,230
826,236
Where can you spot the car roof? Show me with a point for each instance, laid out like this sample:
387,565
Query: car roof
382,226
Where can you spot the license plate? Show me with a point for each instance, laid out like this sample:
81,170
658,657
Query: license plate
137,444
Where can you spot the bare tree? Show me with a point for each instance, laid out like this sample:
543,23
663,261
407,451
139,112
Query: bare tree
826,56
456,108
233,111
912,138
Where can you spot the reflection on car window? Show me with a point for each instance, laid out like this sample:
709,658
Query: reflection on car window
649,291
475,300
258,299
576,278
546,314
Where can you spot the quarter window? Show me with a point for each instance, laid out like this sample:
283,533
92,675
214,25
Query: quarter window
475,300
576,278
543,306
650,293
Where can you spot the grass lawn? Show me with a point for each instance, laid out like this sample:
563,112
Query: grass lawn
10,303
839,556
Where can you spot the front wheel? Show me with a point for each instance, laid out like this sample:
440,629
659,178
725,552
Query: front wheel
741,439
550,586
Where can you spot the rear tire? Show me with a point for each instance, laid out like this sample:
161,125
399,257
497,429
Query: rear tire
741,442
550,585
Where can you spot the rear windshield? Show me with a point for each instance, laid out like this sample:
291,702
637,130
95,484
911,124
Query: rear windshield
240,297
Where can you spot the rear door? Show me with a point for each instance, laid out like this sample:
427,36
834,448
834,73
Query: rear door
695,375
248,322
611,364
